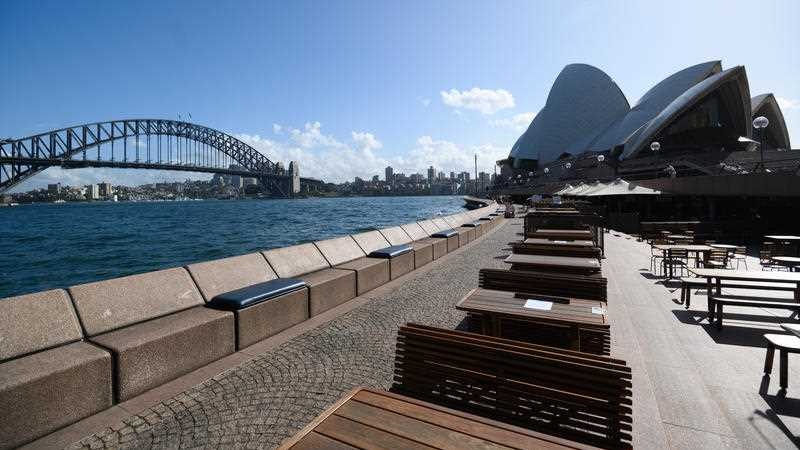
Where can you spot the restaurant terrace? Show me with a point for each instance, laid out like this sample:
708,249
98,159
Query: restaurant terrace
540,329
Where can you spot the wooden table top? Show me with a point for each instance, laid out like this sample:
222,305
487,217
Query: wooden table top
367,419
724,246
689,247
679,236
787,259
546,260
556,234
781,237
543,241
792,328
748,275
562,309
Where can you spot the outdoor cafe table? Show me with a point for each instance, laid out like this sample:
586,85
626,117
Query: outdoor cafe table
790,239
697,249
371,419
541,241
792,262
576,324
552,233
679,236
565,264
714,278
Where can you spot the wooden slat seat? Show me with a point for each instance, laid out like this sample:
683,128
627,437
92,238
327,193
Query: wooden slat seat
546,283
717,304
689,283
578,396
554,250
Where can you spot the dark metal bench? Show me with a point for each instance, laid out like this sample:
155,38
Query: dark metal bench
391,252
578,396
264,309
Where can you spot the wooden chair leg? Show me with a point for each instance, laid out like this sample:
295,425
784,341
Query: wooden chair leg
719,316
784,368
688,296
769,358
683,294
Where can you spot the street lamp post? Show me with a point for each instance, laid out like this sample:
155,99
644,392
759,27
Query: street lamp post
760,123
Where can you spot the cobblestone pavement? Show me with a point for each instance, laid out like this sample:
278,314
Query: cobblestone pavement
269,398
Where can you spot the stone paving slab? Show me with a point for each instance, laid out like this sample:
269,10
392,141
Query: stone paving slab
267,399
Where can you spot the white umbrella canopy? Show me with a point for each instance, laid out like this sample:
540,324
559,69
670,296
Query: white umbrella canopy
622,187
583,188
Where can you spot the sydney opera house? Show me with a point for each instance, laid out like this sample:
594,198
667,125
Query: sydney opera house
702,112
690,134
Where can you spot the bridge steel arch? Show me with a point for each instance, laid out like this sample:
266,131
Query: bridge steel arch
23,158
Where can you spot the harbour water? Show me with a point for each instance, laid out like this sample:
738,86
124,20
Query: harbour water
46,246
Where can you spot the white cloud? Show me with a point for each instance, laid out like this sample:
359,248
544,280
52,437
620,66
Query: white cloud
518,122
366,141
340,162
311,136
487,101
787,103
277,129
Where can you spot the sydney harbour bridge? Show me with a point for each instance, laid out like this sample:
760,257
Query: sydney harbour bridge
145,144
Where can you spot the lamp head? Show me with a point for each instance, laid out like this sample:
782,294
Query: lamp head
760,122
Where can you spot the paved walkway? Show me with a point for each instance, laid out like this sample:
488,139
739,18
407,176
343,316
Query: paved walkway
269,398
695,387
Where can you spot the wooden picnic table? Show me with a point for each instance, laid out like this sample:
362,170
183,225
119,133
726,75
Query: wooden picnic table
368,419
715,277
542,241
679,236
546,263
571,323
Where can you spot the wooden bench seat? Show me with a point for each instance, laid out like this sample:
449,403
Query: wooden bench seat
689,283
578,396
546,283
717,304
555,250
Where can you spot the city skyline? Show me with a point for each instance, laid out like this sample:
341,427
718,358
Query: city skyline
367,87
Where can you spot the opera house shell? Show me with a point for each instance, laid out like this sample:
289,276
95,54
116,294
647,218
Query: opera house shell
702,108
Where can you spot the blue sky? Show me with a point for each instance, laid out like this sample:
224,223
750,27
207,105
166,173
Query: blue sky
348,87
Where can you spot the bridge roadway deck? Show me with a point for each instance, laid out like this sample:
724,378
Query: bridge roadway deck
693,387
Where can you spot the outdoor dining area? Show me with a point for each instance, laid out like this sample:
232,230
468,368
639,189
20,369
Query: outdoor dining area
531,368
771,282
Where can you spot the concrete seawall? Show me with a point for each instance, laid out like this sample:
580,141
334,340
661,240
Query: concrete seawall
105,343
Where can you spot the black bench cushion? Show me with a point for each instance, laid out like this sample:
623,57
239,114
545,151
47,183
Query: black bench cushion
471,224
445,233
489,218
391,252
255,294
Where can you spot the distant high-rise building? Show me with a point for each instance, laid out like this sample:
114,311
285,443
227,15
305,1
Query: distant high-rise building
106,190
54,189
440,176
92,192
389,175
465,176
452,175
294,172
431,174
375,179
